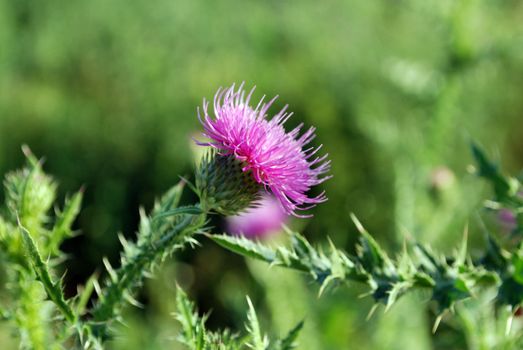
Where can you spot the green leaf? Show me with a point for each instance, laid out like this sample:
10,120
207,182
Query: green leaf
30,194
450,279
190,210
156,241
504,187
289,341
54,290
64,222
193,328
258,340
371,255
244,247
85,294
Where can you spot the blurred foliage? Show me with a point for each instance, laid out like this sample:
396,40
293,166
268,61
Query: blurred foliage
108,91
195,335
32,294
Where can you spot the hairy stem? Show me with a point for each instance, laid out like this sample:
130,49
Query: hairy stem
132,272
30,317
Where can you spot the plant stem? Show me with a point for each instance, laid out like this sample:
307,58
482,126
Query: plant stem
133,270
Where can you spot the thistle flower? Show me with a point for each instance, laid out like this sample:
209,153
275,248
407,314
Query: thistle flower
276,159
258,222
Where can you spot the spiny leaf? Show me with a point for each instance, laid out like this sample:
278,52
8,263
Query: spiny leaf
191,210
450,279
369,251
245,247
197,337
398,289
289,341
156,241
64,222
54,290
489,170
85,294
30,194
187,316
258,340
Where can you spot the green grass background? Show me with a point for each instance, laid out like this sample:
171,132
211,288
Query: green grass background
107,92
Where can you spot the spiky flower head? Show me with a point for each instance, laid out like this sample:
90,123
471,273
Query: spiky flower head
276,159
223,187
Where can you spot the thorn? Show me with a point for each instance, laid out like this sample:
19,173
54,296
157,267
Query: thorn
437,322
191,186
132,301
123,241
404,247
462,257
98,289
364,295
357,223
407,235
142,212
26,150
63,277
183,181
388,306
372,311
332,246
508,326
147,275
19,222
286,229
110,269
324,285
390,302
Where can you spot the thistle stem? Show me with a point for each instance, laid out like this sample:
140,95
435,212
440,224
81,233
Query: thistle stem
131,273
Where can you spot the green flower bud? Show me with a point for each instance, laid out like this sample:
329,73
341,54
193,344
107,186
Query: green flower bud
223,186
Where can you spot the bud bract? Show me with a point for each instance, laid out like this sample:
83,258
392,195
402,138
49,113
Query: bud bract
223,186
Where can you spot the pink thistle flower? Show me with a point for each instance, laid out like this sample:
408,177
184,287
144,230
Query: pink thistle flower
276,158
266,218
